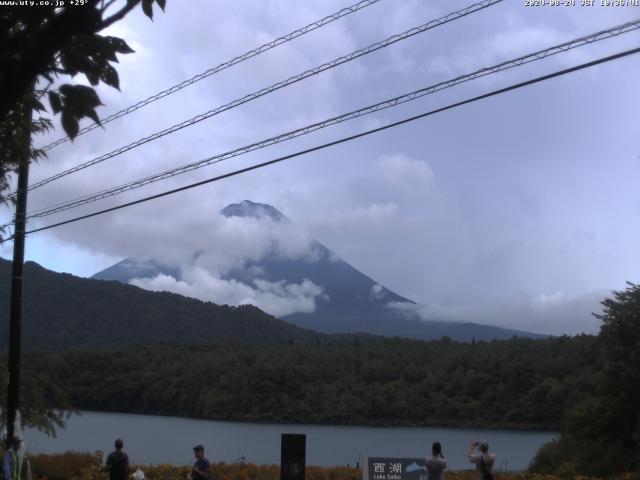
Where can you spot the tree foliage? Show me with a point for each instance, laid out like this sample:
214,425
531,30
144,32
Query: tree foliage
39,394
39,45
602,433
518,383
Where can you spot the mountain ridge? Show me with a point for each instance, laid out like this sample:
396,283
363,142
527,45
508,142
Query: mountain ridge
61,311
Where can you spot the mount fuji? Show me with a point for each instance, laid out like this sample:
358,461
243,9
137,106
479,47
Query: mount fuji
349,302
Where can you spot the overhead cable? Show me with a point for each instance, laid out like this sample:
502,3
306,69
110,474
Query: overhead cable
276,86
223,66
343,140
407,97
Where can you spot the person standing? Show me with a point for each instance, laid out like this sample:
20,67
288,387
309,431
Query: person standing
202,468
11,460
479,454
118,463
437,463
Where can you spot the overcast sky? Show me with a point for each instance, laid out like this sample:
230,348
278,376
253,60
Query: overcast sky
521,210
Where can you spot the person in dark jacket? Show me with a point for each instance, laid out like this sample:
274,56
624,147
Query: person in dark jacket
118,463
201,468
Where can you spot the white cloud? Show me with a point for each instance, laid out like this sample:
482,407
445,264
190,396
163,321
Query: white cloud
403,172
377,292
372,214
232,243
553,314
221,243
276,298
519,39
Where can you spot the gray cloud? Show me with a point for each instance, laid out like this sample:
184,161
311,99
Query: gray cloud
534,191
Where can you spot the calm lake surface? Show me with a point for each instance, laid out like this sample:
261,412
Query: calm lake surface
153,440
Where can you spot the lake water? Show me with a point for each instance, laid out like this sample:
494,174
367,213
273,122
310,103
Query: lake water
154,440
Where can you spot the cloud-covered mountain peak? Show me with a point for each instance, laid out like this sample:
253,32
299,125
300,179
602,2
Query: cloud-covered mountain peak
247,208
275,266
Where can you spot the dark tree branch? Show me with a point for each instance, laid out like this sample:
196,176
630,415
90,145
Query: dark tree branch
106,7
118,15
39,53
45,90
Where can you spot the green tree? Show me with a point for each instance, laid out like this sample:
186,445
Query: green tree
39,394
40,44
602,433
608,425
41,47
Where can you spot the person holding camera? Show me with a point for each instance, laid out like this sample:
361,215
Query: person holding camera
202,468
437,463
480,456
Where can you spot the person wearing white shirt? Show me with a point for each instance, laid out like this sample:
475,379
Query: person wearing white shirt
437,463
480,456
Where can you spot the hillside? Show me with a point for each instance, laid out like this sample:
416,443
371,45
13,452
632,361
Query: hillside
62,311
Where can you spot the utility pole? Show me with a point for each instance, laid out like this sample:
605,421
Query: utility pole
15,320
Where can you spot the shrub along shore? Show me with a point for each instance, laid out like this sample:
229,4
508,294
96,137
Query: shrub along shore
85,466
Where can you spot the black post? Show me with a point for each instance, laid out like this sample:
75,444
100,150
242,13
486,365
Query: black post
15,322
293,456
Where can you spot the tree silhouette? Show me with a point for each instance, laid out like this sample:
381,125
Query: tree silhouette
40,44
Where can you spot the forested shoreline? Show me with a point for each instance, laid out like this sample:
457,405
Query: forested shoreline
584,386
518,383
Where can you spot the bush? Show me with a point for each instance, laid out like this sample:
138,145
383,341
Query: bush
61,466
553,455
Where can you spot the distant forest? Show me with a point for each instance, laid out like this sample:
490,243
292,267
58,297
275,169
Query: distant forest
518,383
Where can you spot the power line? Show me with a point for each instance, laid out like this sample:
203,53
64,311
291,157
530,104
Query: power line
277,86
223,66
539,55
345,139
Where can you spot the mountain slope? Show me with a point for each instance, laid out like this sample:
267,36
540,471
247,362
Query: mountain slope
351,301
62,311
